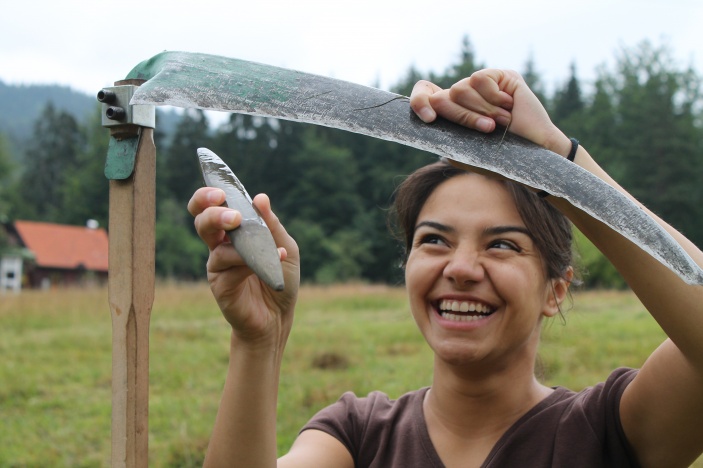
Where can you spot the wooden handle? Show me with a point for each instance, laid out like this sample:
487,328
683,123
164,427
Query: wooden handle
131,296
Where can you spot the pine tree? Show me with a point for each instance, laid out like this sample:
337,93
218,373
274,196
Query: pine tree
50,160
568,105
658,137
533,80
464,68
599,127
6,173
179,171
86,190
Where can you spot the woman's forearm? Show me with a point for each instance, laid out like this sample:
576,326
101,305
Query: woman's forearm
677,306
245,428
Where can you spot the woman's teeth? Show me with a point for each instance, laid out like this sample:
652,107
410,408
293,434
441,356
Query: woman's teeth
446,307
463,306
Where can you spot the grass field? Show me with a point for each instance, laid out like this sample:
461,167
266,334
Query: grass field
55,366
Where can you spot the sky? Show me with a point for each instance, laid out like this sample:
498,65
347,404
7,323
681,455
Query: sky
88,44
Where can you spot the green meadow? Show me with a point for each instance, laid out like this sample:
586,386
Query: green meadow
55,366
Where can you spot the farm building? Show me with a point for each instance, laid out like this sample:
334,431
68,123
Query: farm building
42,255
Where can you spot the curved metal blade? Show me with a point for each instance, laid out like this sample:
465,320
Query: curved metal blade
252,239
218,83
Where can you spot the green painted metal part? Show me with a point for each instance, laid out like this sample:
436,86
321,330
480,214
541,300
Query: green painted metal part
121,156
208,76
211,82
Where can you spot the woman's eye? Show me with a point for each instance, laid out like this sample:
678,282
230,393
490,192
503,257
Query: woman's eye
430,239
504,244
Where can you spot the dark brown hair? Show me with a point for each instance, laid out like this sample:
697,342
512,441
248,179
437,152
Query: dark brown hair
550,230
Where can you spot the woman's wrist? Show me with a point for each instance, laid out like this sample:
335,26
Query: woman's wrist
559,143
262,345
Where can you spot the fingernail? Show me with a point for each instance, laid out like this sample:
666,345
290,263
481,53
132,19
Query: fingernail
502,120
484,125
214,196
427,115
228,218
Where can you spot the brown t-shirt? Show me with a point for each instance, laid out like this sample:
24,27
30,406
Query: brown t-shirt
566,429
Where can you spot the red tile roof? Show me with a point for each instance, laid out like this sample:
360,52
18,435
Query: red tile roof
63,246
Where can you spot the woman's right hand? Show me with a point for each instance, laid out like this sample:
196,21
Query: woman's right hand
486,98
258,314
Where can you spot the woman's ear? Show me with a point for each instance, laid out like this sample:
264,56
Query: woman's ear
559,289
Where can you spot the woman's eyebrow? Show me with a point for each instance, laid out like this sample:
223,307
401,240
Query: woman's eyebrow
490,231
497,230
435,225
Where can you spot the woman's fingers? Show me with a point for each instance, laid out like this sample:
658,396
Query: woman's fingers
476,102
203,198
495,87
278,231
211,219
471,116
212,223
223,257
420,100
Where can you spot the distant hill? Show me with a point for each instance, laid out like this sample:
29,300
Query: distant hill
21,106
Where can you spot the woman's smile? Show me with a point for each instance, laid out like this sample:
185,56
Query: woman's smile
463,311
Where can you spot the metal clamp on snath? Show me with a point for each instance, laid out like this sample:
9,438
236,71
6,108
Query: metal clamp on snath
116,109
125,122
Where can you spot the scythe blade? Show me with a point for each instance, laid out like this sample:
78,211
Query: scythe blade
209,82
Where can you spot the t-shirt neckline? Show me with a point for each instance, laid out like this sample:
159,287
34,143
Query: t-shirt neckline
424,435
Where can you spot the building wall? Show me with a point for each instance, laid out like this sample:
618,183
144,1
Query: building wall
10,273
44,278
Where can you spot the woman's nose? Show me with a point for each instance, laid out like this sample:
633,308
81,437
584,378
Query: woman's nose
464,267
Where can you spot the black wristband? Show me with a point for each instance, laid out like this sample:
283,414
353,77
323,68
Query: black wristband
574,148
570,157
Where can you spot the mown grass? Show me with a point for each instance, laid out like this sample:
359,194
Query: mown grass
55,370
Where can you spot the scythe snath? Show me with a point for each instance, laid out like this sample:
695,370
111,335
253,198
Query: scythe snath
131,170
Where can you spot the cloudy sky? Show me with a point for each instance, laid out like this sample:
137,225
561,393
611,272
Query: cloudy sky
87,44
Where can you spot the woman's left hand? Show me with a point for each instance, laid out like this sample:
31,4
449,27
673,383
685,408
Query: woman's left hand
488,98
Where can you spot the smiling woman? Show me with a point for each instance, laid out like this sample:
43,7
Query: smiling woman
486,260
477,251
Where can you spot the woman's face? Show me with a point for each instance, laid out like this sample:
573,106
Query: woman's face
475,279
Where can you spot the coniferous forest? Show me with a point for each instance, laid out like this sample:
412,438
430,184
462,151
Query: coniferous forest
641,119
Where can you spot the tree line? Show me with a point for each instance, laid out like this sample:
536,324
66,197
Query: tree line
641,119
